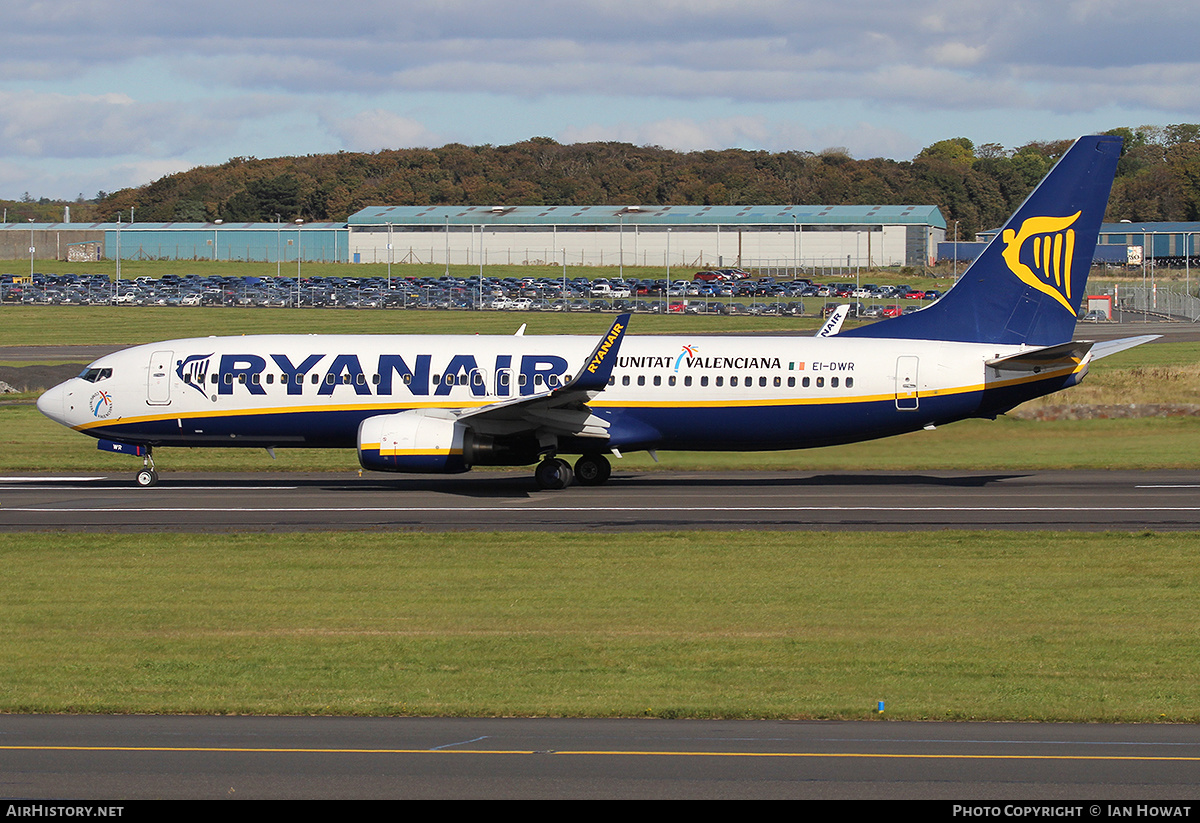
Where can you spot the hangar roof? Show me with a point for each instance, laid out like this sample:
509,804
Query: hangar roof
645,215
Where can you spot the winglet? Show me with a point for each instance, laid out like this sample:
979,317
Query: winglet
834,324
594,375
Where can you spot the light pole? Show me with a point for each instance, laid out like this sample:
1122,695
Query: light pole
667,301
389,228
299,223
955,251
31,249
621,245
1187,263
216,223
278,247
117,287
795,248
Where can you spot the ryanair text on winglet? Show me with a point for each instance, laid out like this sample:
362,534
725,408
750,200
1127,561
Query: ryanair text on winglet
602,352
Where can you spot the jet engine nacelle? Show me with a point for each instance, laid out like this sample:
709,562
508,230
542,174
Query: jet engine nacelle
412,441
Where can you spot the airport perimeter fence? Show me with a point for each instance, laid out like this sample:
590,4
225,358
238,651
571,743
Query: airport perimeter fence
1156,300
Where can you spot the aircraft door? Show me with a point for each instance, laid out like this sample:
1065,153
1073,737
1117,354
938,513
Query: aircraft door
158,386
907,398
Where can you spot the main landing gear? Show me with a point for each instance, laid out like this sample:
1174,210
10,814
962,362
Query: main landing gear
147,476
554,473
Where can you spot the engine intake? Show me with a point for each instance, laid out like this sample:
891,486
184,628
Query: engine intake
412,441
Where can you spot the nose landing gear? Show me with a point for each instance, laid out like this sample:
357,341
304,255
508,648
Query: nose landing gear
147,476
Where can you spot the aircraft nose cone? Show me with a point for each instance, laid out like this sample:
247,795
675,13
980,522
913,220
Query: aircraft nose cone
51,403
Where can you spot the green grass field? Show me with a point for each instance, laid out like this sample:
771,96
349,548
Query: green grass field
949,625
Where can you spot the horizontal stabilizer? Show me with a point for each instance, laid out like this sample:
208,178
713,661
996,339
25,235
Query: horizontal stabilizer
1038,360
1107,347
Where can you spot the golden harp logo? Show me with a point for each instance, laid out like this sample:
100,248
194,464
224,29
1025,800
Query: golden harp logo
1041,253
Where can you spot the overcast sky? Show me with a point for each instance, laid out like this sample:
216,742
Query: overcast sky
103,95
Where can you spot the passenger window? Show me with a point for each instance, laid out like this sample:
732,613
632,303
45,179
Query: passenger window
641,379
762,382
704,380
778,382
658,380
833,382
625,380
720,380
791,382
820,382
849,382
733,381
805,383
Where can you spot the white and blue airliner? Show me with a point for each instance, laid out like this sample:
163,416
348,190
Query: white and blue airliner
445,403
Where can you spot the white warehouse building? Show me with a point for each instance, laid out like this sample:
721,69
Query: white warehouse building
762,237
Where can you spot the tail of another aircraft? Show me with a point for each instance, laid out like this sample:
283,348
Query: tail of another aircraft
1027,285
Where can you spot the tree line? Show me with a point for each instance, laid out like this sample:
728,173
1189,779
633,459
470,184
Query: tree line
976,186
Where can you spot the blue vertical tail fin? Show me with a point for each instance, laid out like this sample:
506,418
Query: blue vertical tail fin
1027,284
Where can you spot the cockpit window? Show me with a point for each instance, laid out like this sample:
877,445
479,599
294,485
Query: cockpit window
93,375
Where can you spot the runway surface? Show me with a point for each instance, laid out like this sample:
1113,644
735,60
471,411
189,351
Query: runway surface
1075,500
324,757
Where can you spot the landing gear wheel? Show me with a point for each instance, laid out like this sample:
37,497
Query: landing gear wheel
553,474
592,470
147,477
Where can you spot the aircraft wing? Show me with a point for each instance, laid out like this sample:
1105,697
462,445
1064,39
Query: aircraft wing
563,410
834,324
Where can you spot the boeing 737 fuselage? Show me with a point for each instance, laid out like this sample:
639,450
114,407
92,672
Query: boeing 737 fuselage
412,403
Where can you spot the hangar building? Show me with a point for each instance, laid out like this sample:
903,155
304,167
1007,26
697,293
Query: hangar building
685,236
